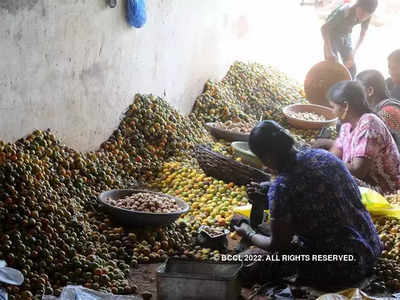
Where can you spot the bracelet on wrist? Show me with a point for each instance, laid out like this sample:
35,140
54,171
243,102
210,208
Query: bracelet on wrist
250,234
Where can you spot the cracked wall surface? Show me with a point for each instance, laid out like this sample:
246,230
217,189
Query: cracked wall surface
15,6
75,65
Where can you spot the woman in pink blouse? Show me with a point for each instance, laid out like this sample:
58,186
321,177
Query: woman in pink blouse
364,144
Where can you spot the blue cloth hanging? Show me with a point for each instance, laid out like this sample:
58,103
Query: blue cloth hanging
136,13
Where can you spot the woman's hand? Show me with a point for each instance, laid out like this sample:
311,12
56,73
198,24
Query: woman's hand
281,235
243,230
257,192
237,220
252,187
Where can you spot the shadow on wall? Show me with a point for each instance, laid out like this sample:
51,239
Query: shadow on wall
14,6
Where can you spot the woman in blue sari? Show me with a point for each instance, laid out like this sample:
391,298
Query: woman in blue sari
315,208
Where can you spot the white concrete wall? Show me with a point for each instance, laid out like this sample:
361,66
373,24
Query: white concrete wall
74,65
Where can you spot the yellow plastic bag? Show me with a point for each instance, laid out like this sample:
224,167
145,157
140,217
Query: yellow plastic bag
377,205
371,198
245,210
374,202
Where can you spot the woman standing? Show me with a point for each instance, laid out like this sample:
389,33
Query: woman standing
337,29
364,144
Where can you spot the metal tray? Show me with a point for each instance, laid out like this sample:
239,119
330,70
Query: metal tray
215,242
179,279
132,218
203,228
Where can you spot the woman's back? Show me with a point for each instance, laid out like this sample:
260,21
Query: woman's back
323,203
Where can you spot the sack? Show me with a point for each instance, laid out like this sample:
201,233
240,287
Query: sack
9,276
3,294
136,13
350,294
72,292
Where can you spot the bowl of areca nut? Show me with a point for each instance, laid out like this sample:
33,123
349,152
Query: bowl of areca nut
139,208
309,116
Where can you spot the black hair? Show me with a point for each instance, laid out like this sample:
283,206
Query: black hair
268,137
395,56
368,5
351,92
374,79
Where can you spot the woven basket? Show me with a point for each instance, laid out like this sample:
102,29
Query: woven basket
226,135
223,168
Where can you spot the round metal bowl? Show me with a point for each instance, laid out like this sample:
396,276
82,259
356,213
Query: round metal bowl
242,150
311,108
229,136
132,218
320,78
